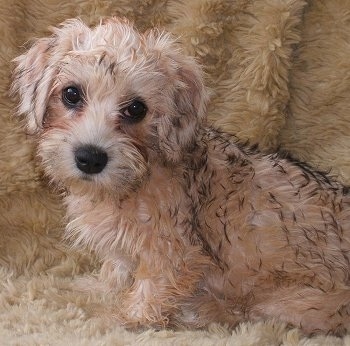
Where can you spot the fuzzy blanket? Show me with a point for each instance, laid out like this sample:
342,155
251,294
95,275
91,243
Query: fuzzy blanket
280,75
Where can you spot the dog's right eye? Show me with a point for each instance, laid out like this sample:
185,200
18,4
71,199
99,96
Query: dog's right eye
71,96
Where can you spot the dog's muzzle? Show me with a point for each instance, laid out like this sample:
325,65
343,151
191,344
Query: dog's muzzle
90,159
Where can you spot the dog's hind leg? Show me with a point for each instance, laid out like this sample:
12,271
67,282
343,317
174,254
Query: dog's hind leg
312,309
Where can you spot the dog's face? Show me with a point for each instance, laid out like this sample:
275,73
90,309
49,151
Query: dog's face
108,102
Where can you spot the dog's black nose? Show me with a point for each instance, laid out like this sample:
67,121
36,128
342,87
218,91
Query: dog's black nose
90,159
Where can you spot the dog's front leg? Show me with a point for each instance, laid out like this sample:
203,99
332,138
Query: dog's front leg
154,299
144,304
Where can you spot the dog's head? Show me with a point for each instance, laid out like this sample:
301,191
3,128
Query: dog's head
109,101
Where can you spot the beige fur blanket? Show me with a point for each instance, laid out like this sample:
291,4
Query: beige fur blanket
280,75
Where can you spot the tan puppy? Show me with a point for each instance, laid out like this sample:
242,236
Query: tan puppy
191,226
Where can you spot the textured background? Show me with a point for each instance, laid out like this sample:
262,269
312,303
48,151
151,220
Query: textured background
280,75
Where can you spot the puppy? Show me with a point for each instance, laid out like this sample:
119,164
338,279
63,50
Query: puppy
191,226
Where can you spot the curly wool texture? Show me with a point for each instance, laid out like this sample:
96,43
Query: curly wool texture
279,74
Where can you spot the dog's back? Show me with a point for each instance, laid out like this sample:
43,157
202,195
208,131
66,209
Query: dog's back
278,230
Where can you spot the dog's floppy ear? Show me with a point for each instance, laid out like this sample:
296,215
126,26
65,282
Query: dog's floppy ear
177,129
36,70
32,80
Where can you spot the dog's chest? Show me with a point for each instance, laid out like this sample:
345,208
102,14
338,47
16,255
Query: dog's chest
153,219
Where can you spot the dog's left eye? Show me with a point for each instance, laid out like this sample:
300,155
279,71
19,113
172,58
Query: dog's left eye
136,111
71,96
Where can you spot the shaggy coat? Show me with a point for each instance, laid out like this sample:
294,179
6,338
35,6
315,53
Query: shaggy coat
191,226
